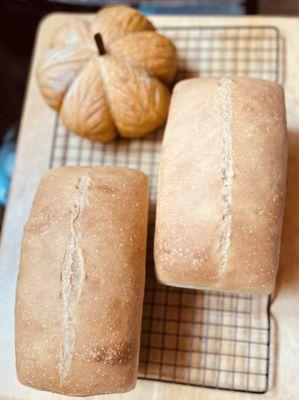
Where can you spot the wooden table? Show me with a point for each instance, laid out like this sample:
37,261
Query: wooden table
33,154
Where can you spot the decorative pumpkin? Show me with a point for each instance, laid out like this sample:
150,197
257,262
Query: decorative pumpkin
109,75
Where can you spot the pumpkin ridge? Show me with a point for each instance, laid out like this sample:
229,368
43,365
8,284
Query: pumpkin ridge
140,32
141,18
69,63
73,25
125,22
81,92
70,86
127,61
116,89
47,62
106,93
153,51
135,63
109,51
91,110
54,83
136,101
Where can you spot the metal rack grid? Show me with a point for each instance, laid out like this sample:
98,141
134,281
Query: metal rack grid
202,338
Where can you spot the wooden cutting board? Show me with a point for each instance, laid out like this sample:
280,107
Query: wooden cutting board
33,153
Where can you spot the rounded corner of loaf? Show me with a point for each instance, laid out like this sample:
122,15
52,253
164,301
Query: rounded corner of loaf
185,84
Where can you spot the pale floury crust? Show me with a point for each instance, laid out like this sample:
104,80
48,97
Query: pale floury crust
222,185
81,281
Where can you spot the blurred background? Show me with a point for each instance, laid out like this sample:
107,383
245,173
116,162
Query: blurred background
19,20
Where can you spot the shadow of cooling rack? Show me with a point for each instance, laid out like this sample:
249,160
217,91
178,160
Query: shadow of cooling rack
201,338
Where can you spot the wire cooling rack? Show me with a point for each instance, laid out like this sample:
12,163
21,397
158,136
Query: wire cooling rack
202,338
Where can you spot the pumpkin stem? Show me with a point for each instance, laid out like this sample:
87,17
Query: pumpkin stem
100,44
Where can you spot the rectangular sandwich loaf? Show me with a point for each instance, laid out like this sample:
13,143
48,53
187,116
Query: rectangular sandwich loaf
222,185
81,281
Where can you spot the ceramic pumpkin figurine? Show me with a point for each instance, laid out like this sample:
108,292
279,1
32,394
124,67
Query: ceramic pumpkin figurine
109,76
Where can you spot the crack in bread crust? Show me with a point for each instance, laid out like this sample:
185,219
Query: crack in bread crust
228,174
72,274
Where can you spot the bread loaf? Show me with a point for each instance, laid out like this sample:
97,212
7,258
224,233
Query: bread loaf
222,185
81,282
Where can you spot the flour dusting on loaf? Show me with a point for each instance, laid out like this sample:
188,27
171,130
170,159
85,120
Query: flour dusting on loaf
72,275
228,173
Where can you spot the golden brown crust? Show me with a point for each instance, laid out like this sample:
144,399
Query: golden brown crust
139,106
129,38
222,185
118,21
81,282
85,109
160,58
